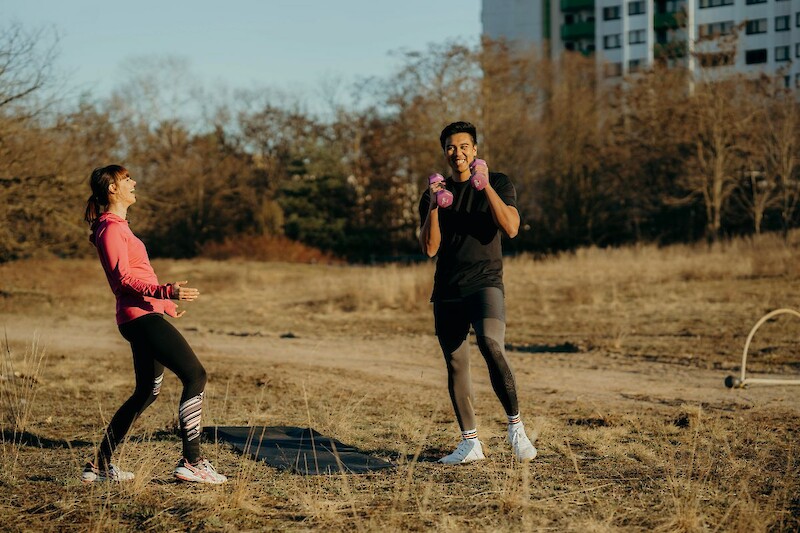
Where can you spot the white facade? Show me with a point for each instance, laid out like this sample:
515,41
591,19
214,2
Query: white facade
514,20
631,34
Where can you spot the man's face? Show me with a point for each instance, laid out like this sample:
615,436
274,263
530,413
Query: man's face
459,150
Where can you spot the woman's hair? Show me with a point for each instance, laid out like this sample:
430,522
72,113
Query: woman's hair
99,181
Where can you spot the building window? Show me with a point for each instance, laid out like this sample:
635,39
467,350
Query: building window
797,50
636,8
611,41
782,53
634,65
716,59
715,3
751,2
797,80
637,36
782,23
756,26
613,69
797,19
754,57
715,29
611,13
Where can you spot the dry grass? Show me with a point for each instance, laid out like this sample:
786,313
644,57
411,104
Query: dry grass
619,356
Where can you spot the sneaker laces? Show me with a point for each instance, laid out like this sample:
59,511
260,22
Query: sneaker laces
463,448
206,465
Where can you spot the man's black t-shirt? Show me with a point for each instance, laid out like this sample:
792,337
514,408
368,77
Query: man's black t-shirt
469,256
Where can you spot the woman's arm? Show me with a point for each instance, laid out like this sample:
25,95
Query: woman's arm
112,246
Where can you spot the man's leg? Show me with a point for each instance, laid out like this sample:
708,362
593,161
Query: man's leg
487,313
452,329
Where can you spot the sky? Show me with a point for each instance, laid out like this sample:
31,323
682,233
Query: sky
289,45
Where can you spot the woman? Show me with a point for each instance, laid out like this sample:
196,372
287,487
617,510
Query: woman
156,344
468,285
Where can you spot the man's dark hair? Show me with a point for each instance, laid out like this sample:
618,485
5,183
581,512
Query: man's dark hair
458,127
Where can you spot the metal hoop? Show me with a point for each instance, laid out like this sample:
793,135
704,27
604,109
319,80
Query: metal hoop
740,383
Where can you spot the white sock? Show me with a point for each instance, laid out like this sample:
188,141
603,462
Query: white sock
470,434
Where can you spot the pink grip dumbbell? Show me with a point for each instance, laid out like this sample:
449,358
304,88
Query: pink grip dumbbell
480,174
443,197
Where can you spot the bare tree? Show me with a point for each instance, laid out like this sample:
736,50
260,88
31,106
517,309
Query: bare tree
26,64
719,113
26,72
778,146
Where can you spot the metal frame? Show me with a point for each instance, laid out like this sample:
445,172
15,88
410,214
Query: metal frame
742,382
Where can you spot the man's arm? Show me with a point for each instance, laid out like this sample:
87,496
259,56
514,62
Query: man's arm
430,234
505,216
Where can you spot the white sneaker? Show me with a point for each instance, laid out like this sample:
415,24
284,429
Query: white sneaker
201,472
468,450
520,443
91,474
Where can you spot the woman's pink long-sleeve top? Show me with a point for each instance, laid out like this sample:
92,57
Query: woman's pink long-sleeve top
132,279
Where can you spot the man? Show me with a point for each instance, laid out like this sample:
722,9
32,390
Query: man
468,285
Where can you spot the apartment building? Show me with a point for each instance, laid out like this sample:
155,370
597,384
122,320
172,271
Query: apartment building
628,35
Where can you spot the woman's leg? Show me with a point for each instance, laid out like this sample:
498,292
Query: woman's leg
171,350
149,375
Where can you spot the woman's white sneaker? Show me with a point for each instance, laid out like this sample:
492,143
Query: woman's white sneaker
468,450
201,472
520,443
91,474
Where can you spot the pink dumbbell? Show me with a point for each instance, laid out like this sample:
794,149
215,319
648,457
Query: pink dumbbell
480,174
443,197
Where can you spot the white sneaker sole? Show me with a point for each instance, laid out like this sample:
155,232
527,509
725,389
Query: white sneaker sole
526,459
195,479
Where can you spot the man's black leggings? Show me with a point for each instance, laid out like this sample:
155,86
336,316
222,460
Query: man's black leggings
485,311
156,344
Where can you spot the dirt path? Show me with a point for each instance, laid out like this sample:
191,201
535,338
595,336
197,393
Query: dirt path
605,383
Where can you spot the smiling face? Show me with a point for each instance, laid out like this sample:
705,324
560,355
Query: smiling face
122,191
460,150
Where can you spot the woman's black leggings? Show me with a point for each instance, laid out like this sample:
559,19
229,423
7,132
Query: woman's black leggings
485,311
156,344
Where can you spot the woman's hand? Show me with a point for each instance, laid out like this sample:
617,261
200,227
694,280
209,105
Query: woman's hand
179,292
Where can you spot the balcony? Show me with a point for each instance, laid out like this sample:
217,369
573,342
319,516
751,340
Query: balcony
577,5
578,30
665,20
672,49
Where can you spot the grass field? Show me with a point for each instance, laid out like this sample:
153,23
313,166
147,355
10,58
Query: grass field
619,357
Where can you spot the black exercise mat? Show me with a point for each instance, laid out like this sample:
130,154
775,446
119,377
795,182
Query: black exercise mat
301,450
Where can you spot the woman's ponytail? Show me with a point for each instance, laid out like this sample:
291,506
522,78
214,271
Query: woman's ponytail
99,181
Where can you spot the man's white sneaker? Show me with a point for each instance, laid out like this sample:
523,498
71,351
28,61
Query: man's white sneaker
91,474
520,443
468,450
201,472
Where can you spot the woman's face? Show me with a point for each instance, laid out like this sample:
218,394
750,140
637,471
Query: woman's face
123,190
